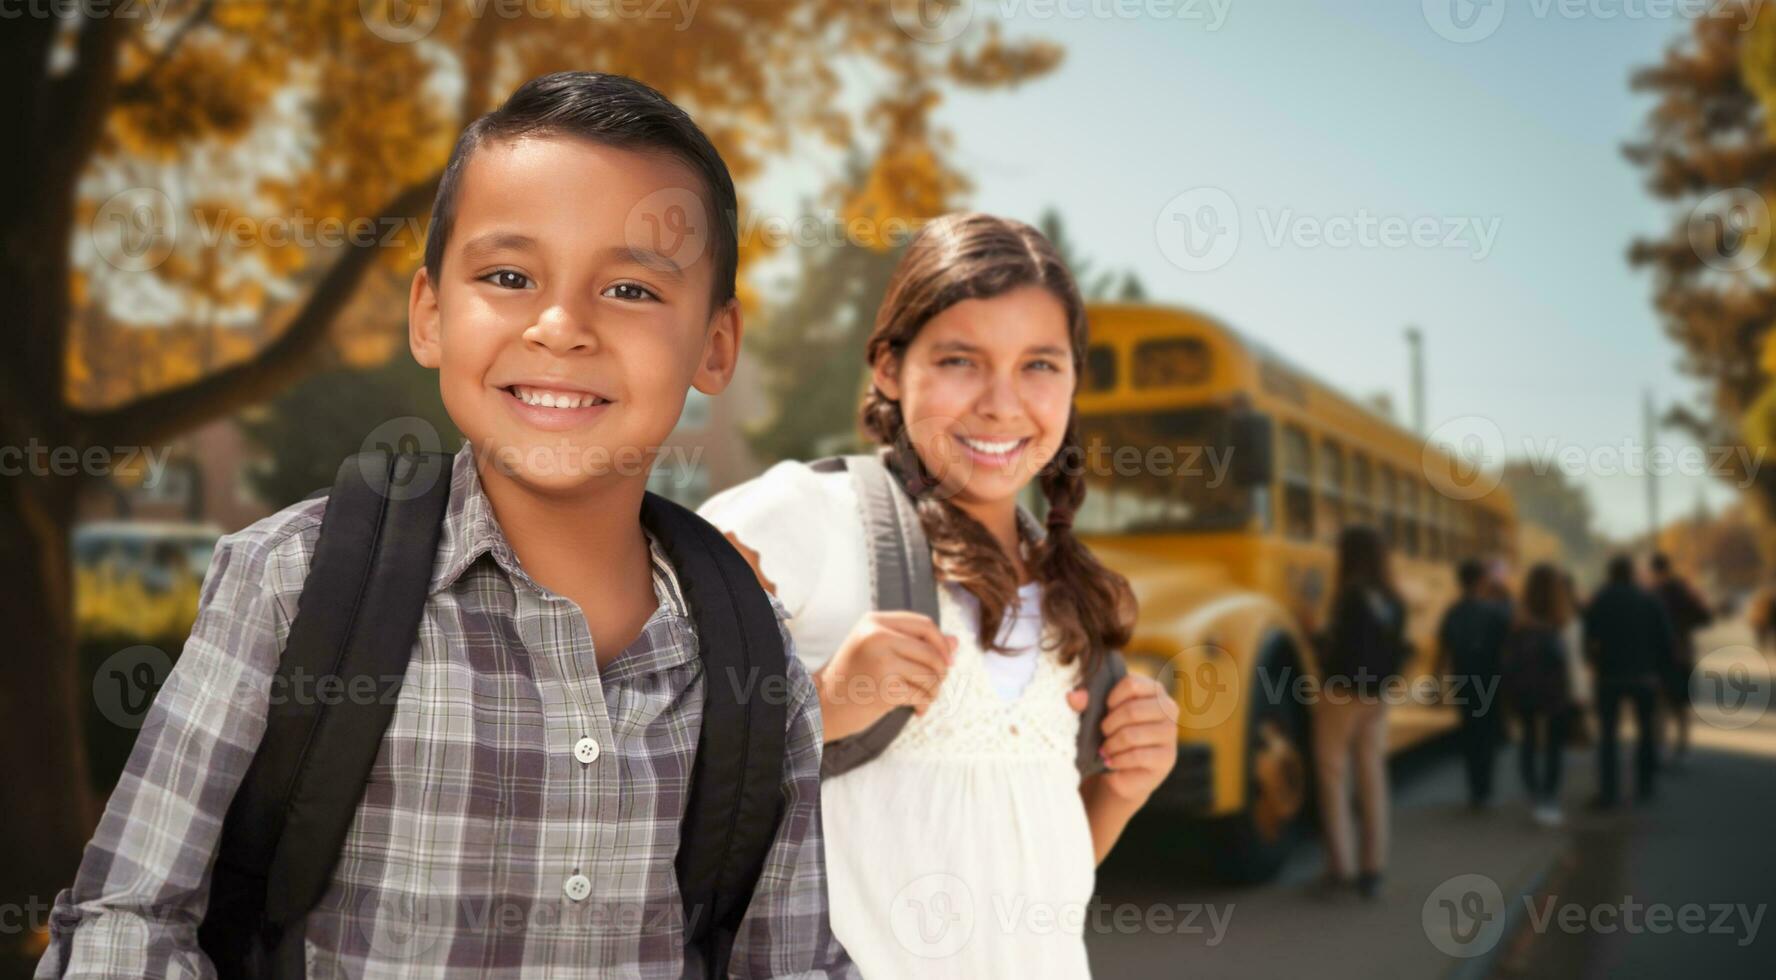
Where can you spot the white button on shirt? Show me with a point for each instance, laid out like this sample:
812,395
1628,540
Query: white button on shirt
578,887
586,750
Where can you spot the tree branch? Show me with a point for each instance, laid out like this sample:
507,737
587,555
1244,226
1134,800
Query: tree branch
159,416
137,87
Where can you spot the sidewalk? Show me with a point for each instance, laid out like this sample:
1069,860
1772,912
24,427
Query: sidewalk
1280,930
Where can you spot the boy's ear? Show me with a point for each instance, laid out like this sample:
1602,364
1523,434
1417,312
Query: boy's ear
423,320
721,349
885,375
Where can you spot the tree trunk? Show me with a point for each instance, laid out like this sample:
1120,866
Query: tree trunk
47,809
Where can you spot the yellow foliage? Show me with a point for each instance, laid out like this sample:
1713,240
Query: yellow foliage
111,604
269,111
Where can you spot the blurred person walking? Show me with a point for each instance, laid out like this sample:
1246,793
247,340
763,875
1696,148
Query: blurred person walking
1578,672
1538,687
1628,642
1688,613
1470,642
1362,649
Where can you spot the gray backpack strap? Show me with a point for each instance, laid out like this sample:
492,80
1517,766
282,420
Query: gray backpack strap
900,557
1091,721
900,579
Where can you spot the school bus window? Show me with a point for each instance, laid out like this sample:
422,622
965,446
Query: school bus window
1466,521
1331,489
1159,473
1388,505
1100,367
1297,472
1362,489
1434,524
1171,362
1408,514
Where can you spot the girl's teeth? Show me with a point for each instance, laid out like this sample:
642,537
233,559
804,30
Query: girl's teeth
992,448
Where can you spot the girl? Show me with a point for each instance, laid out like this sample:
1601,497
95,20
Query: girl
1364,648
1539,689
968,847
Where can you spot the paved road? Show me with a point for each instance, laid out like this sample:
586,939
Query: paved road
1490,894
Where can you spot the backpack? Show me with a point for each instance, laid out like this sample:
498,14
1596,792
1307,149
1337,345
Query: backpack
1365,638
1535,670
358,620
902,578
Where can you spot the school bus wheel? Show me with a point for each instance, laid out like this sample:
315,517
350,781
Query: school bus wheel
1252,845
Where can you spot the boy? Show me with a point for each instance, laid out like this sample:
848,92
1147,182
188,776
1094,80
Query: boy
523,811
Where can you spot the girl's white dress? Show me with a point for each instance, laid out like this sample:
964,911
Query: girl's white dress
963,850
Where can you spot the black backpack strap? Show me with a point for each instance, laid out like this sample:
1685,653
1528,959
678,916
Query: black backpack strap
358,617
736,798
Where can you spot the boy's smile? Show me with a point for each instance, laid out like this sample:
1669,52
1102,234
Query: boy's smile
565,325
554,405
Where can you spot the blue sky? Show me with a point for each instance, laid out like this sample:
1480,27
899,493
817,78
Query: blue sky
1306,115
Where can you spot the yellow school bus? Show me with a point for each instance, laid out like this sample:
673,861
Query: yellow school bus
1220,476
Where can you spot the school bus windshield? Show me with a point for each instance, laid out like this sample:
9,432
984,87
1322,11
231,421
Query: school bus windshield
1160,472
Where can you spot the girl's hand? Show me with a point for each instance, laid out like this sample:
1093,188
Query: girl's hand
1140,738
889,659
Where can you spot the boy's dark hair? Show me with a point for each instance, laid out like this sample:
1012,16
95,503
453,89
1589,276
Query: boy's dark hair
612,110
1620,570
1661,563
1470,573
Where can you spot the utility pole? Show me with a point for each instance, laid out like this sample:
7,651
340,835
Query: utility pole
1650,426
1415,353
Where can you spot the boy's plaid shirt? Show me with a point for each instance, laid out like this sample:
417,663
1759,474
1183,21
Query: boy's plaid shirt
481,822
